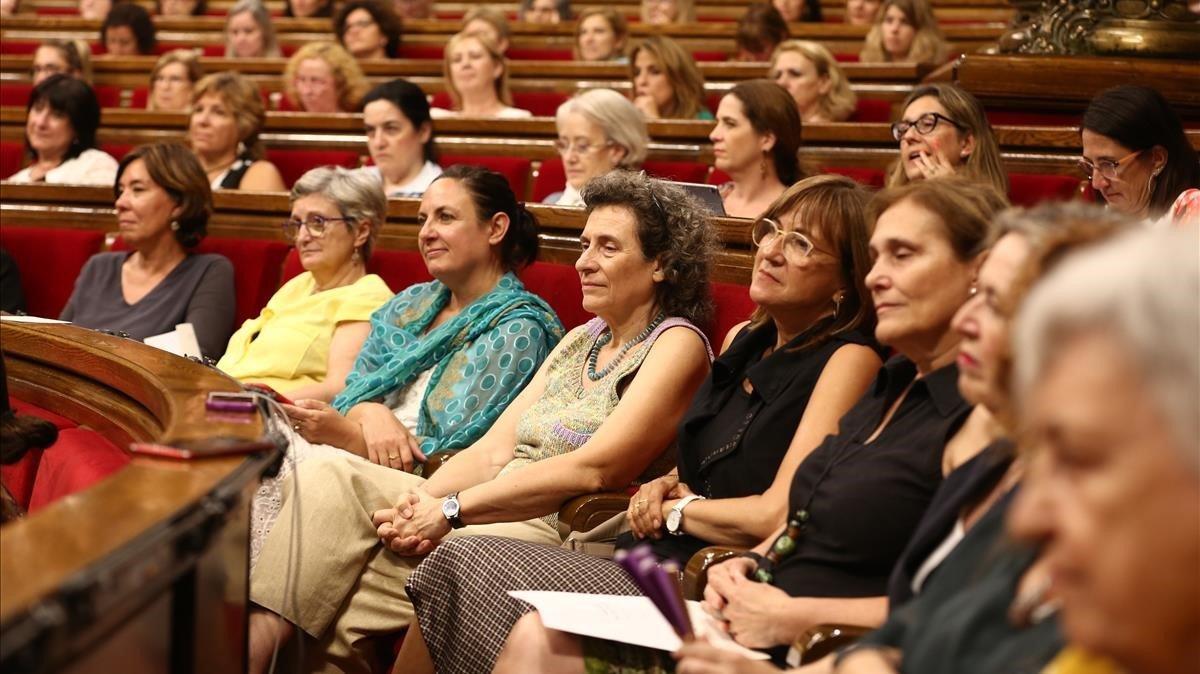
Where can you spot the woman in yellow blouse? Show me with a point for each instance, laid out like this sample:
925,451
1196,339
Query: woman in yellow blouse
304,342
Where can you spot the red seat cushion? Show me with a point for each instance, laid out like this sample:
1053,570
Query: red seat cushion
294,163
49,261
514,169
551,178
108,95
80,458
558,284
718,177
19,477
1027,190
732,306
540,103
869,177
19,46
15,95
256,268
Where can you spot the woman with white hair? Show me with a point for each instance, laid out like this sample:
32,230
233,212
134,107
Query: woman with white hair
305,340
598,131
1108,375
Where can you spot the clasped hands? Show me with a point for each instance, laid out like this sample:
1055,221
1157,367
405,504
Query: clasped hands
746,608
649,507
414,526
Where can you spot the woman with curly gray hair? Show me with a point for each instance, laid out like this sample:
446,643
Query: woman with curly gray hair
593,417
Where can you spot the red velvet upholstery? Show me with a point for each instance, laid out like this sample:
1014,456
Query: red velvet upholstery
514,169
540,103
718,177
20,476
109,95
118,152
399,268
872,110
12,155
710,56
863,176
62,11
421,51
295,163
80,458
19,46
15,94
1026,189
733,306
846,58
551,178
213,50
140,96
680,171
558,284
49,279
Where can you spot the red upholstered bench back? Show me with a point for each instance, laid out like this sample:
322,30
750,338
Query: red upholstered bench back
869,177
732,306
872,110
514,169
49,261
12,155
540,103
558,284
15,94
1027,190
552,177
294,163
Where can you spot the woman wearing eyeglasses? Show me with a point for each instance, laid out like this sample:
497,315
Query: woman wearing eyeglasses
1136,155
944,131
171,82
598,130
304,342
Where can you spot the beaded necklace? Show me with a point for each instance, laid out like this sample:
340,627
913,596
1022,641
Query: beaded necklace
606,337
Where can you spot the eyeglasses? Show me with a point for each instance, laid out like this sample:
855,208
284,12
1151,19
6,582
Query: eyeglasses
580,146
47,69
361,24
1107,168
925,124
316,226
796,246
170,79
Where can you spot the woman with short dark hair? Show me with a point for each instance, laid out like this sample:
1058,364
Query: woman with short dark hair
128,31
368,29
163,203
60,136
399,134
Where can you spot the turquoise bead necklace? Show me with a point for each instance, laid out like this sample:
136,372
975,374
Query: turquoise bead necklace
606,337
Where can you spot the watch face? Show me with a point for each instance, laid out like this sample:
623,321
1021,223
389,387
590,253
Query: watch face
673,520
450,508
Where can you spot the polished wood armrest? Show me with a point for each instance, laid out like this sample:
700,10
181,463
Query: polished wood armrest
583,513
695,574
437,461
822,640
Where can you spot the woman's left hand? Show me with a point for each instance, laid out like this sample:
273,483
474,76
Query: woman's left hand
751,613
933,166
418,525
701,657
319,423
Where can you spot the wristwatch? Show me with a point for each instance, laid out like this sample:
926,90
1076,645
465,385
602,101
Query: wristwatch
675,517
452,510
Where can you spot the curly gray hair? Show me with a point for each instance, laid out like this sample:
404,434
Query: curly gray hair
357,193
672,228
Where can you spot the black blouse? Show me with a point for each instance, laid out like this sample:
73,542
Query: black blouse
731,442
865,499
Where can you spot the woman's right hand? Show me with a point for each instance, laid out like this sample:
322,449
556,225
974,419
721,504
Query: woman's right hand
387,441
645,508
646,104
720,576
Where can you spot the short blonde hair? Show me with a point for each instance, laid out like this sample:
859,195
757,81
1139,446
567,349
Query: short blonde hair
492,17
687,83
621,121
347,76
244,99
184,57
839,104
928,45
259,13
501,83
616,21
687,11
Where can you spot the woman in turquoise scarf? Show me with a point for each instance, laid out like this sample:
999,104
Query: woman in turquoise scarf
445,358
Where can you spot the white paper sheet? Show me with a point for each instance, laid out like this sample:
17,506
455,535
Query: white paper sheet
629,620
181,341
29,319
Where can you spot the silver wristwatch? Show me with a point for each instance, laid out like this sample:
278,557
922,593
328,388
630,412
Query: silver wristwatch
675,517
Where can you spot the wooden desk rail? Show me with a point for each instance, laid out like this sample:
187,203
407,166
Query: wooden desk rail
79,568
256,215
446,7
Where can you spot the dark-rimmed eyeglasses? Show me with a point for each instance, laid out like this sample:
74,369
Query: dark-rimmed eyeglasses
925,124
316,226
1107,168
796,246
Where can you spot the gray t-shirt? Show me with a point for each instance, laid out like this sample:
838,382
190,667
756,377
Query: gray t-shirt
198,291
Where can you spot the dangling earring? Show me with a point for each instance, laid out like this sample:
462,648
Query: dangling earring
174,225
837,304
355,257
974,289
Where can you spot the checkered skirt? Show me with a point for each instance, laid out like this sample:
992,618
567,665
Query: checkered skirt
460,593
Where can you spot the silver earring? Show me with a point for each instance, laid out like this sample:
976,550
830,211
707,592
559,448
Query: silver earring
174,225
837,304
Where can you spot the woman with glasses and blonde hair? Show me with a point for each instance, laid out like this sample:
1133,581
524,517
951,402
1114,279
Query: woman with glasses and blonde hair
1137,156
905,31
249,32
477,78
808,71
304,342
172,80
944,131
62,57
226,117
323,77
666,82
598,131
